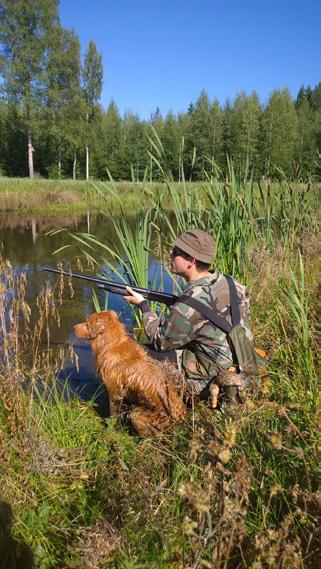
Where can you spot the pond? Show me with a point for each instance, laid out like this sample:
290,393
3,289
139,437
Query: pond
26,244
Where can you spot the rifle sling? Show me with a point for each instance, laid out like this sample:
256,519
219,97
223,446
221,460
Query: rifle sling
213,316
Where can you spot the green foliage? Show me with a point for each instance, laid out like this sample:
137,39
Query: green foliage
244,133
111,143
26,32
65,106
133,148
92,75
227,489
198,138
52,102
295,302
279,133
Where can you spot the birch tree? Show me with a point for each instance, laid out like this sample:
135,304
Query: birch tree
92,86
25,34
245,129
64,101
279,132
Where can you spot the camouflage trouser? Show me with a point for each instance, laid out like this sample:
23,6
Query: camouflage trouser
195,388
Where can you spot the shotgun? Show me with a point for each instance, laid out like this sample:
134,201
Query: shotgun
119,288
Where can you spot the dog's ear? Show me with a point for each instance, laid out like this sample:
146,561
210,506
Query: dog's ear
95,328
101,322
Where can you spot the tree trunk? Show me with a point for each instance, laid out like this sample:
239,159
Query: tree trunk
87,162
213,152
74,167
268,159
30,155
59,169
87,151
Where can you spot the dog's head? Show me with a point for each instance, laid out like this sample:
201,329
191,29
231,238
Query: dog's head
97,324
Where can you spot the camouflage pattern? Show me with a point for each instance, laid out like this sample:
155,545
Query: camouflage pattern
205,347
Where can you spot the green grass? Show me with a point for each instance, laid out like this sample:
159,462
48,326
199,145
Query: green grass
60,196
227,490
238,489
57,196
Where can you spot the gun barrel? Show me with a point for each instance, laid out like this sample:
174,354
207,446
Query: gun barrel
118,288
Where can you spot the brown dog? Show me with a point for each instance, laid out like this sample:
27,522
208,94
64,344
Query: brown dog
131,376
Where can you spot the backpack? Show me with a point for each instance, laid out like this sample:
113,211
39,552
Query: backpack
245,357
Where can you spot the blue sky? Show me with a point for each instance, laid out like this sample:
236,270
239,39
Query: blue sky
163,53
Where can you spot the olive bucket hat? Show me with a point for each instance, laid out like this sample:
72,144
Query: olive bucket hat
198,244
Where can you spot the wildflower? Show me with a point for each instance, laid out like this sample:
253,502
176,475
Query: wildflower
276,441
189,526
277,488
225,455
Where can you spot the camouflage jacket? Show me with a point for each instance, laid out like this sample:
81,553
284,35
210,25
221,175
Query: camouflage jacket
205,347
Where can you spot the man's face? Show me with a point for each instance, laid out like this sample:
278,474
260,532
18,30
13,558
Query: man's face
180,261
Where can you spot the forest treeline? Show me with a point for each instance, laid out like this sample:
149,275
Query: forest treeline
52,122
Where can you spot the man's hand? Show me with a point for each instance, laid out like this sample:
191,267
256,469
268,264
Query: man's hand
133,297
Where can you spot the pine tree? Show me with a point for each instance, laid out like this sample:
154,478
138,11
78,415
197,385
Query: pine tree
315,98
157,122
111,142
305,152
134,147
198,137
216,135
227,130
183,120
171,143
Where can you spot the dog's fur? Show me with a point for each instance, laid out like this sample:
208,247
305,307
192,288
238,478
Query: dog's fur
131,376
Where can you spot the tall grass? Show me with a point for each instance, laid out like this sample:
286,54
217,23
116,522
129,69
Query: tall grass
232,490
232,220
295,314
228,491
238,212
128,258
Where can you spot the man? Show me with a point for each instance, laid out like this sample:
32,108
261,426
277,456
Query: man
206,351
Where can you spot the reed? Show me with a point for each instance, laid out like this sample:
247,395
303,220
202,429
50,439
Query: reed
228,490
239,213
295,318
232,221
128,258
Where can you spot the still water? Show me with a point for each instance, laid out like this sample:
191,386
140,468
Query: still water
26,244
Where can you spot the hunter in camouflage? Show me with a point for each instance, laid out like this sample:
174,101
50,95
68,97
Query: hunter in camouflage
205,349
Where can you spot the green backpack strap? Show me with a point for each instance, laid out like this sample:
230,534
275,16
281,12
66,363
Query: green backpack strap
234,301
243,350
213,316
